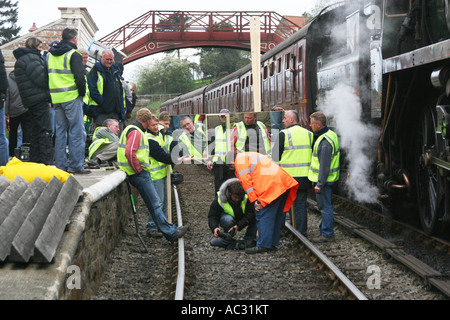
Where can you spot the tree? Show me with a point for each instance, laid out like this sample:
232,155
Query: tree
214,61
319,5
169,75
9,13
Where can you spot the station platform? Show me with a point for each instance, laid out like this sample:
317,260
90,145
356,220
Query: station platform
97,206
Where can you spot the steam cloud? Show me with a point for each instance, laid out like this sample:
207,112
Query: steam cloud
358,139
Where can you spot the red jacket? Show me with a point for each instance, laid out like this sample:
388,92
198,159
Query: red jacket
263,179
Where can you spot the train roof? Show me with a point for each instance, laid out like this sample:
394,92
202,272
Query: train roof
300,34
305,30
193,93
170,101
229,77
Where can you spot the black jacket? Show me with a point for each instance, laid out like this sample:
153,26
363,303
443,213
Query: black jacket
3,79
215,211
31,76
76,64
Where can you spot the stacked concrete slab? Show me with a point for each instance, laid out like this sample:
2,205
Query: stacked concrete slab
33,217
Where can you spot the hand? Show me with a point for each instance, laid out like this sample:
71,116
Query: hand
231,231
216,230
7,122
183,159
209,165
317,189
258,206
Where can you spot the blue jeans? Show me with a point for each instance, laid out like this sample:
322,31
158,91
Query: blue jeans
226,222
4,143
270,220
70,131
144,183
300,211
326,206
161,189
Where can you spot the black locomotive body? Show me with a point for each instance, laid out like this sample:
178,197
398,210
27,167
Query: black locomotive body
393,58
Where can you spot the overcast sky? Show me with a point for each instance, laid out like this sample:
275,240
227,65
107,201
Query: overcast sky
112,14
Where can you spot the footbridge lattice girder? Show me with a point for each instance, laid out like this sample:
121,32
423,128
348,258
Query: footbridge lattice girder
157,31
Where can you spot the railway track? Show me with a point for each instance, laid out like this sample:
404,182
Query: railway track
217,274
212,273
427,257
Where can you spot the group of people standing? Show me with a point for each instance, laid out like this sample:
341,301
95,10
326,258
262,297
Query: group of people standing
51,92
256,182
259,180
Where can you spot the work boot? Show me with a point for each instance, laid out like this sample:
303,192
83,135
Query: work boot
256,250
250,244
322,238
154,234
225,235
93,163
182,231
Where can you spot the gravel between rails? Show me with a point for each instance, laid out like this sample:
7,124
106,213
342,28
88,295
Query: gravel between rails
218,274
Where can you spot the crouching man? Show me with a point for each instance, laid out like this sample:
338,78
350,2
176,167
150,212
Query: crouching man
229,213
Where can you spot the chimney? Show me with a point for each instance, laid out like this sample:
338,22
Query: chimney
33,27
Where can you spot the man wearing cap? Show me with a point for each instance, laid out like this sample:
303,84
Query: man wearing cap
219,149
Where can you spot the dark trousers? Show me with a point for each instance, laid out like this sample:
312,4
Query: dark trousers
25,121
221,174
41,148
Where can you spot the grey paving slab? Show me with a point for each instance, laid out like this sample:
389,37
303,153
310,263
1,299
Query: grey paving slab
22,247
52,231
18,214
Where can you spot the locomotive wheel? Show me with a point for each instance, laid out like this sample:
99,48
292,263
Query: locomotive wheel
428,178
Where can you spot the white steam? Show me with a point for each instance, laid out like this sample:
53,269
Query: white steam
358,139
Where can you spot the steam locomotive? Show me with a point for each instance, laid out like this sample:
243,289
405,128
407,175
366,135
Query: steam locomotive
380,67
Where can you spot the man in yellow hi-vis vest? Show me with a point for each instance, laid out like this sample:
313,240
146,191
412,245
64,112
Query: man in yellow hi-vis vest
229,213
219,148
67,89
193,139
133,158
324,172
159,159
294,148
106,91
250,135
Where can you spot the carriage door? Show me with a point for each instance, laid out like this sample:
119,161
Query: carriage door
300,84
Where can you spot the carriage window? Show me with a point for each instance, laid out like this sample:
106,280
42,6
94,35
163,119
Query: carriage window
288,86
280,88
288,61
279,65
265,72
397,7
271,68
265,89
272,91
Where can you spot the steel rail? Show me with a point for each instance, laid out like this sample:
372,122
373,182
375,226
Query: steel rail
179,291
352,289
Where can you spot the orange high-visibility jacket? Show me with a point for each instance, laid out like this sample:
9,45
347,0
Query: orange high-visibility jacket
264,180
